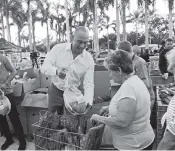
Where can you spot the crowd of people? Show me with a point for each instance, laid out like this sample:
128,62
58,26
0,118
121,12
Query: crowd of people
129,111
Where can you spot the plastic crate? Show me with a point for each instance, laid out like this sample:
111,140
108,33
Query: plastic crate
52,139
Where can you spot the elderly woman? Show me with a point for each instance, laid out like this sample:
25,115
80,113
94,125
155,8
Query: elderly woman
129,109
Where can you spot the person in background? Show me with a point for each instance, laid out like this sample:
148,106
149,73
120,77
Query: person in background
146,55
162,59
67,59
129,109
140,67
137,50
6,67
168,119
34,57
163,46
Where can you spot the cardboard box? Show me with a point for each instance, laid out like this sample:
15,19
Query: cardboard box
158,80
35,99
45,80
17,88
102,84
20,87
31,85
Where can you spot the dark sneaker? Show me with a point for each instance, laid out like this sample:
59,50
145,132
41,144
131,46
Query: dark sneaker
22,146
7,143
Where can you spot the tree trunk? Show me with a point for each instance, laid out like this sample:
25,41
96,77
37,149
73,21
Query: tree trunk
95,28
19,37
8,25
108,39
117,23
124,20
146,25
33,33
2,23
30,26
67,22
136,32
48,39
170,24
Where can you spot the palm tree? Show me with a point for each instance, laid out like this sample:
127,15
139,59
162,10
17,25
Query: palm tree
136,17
29,24
57,20
146,8
7,7
91,6
124,4
105,23
2,22
45,19
170,7
117,22
67,21
20,19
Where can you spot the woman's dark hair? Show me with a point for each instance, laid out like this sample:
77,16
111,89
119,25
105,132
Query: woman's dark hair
119,59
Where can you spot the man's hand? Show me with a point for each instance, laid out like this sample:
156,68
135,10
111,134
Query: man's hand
104,110
61,72
88,108
165,76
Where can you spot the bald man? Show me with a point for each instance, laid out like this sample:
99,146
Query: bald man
136,50
69,59
140,68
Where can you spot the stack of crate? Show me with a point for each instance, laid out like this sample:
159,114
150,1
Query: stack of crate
161,109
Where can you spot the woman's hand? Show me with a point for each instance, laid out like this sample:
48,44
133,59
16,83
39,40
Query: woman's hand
95,117
104,110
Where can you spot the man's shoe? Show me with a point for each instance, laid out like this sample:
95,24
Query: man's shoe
22,146
7,143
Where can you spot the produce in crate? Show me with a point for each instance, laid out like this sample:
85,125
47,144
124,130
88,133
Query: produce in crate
60,136
166,94
70,123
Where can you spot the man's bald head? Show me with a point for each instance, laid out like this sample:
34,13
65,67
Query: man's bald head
136,49
80,39
81,33
126,46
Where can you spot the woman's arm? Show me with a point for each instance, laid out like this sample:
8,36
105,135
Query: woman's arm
167,142
126,109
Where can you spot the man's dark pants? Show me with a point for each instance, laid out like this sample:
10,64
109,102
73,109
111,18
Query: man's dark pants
14,118
56,101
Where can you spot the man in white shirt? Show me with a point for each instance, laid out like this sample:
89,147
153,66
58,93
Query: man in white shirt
70,59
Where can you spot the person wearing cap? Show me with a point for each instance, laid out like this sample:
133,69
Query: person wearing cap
70,59
140,67
6,67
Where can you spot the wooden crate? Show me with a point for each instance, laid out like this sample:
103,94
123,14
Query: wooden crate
158,80
161,109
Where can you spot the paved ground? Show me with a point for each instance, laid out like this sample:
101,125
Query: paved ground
14,146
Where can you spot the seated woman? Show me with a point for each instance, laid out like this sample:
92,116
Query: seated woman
129,109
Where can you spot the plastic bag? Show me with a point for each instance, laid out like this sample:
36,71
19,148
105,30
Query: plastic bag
74,100
171,60
5,105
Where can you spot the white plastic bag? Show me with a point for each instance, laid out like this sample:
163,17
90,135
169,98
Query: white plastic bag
5,105
74,100
171,60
